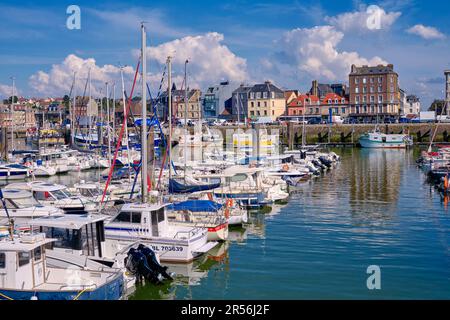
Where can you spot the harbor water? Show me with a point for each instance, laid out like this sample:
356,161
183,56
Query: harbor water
375,208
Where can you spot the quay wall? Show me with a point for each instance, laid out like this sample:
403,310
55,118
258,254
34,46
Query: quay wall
349,134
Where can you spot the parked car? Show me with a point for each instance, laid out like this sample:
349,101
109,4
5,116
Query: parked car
315,121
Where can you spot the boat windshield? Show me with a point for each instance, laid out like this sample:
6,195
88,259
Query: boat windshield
22,203
90,192
59,194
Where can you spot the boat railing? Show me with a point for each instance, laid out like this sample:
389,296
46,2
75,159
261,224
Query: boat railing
190,233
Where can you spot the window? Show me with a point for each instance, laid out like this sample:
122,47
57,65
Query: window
252,95
329,101
2,260
259,113
123,217
380,79
380,89
252,104
343,110
136,217
356,80
265,104
356,90
364,99
24,258
37,253
265,95
364,89
265,112
364,80
259,104
372,89
258,95
252,113
357,99
372,98
380,99
371,80
272,95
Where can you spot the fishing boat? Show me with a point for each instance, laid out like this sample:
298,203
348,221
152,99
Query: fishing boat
26,275
377,139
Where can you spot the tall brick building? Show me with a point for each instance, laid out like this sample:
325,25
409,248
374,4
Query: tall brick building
374,92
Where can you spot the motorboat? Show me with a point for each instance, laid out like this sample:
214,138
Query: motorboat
26,275
201,213
22,207
57,195
149,224
13,171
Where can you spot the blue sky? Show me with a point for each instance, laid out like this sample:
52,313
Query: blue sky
288,42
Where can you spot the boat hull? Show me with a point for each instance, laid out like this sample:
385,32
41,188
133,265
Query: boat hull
112,290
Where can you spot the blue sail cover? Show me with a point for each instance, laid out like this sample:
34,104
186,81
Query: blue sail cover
196,206
176,187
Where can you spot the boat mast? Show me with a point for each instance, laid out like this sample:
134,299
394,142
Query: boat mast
125,115
169,85
114,112
72,122
144,119
89,107
12,111
108,121
186,103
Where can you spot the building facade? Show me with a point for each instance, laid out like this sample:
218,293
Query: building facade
194,110
412,106
374,92
215,99
240,103
266,100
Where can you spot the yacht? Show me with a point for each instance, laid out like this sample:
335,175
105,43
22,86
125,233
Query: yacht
13,171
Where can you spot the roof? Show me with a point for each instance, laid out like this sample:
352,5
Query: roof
67,221
366,70
268,87
333,96
300,101
25,242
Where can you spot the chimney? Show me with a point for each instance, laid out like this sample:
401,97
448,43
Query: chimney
315,88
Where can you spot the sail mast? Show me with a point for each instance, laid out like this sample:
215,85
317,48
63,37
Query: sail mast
169,89
186,103
72,114
144,119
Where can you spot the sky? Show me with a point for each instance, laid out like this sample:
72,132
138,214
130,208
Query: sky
289,42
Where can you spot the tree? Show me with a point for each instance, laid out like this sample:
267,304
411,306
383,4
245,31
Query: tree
437,106
16,99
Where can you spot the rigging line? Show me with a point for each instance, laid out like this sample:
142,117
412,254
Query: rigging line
125,123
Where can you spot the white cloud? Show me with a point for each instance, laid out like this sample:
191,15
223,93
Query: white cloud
426,32
6,91
58,80
210,60
314,51
366,20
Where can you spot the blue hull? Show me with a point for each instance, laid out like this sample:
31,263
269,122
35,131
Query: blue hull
110,291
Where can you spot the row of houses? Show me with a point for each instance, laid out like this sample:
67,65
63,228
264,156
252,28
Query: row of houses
372,92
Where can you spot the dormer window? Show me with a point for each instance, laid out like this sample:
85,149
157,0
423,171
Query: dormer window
272,95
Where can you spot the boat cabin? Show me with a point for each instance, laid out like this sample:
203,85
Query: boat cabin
22,261
74,234
145,219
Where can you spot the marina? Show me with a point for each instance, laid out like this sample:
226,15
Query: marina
180,176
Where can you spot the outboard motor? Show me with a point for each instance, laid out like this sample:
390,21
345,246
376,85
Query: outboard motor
325,161
153,262
318,164
136,264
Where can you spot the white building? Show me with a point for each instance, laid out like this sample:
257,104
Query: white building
412,106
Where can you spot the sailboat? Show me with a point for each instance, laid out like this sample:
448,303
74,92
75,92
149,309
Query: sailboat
148,222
